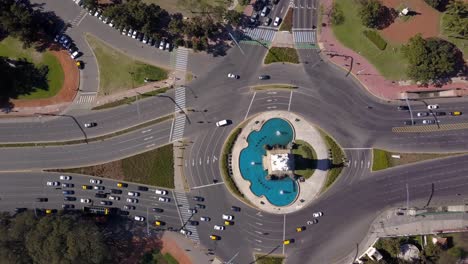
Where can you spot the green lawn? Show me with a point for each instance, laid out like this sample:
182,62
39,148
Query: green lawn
12,48
118,72
337,160
462,44
382,159
277,54
287,23
261,259
188,8
389,62
129,100
307,160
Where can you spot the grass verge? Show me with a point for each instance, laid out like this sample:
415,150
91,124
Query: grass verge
382,159
227,149
265,259
306,162
129,100
277,54
13,48
375,38
119,72
89,140
390,62
287,23
155,167
273,87
462,44
336,162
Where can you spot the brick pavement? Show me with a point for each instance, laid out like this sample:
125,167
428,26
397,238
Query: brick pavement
361,69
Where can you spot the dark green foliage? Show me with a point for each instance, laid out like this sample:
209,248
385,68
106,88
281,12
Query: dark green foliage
431,60
244,2
455,20
435,3
233,17
389,245
374,36
370,13
337,15
20,21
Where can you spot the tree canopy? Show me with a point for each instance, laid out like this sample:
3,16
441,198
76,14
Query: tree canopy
431,60
455,20
370,13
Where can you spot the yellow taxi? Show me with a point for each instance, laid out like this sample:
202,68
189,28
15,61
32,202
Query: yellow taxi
215,237
300,229
87,187
122,185
49,211
287,241
158,223
228,223
80,64
456,113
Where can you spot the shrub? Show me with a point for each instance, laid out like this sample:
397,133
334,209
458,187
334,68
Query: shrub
370,13
375,38
337,15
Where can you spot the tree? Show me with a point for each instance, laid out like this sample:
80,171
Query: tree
435,3
431,60
455,19
370,12
244,2
91,4
233,17
337,15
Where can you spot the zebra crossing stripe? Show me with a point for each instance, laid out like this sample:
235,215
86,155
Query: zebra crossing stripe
85,99
265,34
182,201
178,129
430,128
304,36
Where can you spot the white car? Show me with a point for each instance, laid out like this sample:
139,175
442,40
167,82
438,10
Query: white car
161,45
217,227
428,122
115,198
129,33
192,211
75,54
98,188
434,106
185,232
222,123
139,218
168,46
132,200
228,217
163,199
111,23
55,183
134,194
135,34
317,214
87,201
97,13
233,76
277,21
205,218
95,181
65,177
161,192
124,31
422,114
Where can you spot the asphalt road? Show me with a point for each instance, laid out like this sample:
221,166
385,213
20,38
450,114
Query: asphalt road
325,96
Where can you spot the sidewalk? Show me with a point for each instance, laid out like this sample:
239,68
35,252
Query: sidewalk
185,251
365,72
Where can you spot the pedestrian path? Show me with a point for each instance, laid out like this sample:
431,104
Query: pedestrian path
179,123
86,98
183,206
265,35
181,59
304,39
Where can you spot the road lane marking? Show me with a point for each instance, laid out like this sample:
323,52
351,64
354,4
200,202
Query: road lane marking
259,241
258,249
207,160
200,161
146,131
284,230
258,232
79,22
368,164
172,128
148,138
193,162
250,105
260,224
207,185
151,145
290,98
362,163
214,159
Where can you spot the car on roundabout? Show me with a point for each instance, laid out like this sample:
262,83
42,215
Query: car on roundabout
317,214
433,106
215,237
219,228
139,218
312,222
300,229
288,241
233,76
65,177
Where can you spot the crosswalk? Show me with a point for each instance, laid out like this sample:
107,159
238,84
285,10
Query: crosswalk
77,20
261,34
304,36
179,123
86,98
183,206
181,59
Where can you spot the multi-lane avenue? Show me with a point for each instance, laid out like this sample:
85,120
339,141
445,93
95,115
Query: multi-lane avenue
325,96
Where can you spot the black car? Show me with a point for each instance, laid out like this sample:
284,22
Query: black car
19,210
264,77
142,188
105,203
158,210
275,2
440,113
235,208
194,223
68,192
403,108
69,198
115,191
200,206
42,199
409,122
100,195
124,212
68,206
198,198
72,49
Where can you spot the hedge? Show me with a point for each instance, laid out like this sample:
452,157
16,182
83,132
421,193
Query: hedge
375,38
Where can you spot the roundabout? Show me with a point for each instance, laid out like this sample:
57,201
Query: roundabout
265,163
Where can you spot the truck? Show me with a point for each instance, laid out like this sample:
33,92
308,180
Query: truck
98,210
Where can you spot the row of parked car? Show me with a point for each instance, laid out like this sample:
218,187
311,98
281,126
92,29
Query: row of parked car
264,13
127,30
67,43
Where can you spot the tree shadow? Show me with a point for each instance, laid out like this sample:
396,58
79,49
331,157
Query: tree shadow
387,17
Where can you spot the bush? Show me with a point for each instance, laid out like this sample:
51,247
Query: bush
375,38
370,13
337,15
434,3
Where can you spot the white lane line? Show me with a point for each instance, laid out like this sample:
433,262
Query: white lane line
148,138
284,230
259,241
258,232
250,105
172,127
79,22
368,164
151,145
290,98
146,131
208,185
259,223
178,210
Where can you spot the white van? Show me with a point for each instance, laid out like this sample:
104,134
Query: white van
264,11
221,123
161,192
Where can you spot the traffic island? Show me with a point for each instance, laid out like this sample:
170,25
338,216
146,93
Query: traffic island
278,86
278,162
280,54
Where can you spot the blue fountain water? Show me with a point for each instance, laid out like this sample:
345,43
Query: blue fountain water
278,192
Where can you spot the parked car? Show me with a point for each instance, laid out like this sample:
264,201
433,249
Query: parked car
116,191
124,31
235,208
192,211
130,32
68,185
422,114
53,184
157,210
99,188
161,192
41,200
264,77
134,34
75,54
215,237
100,195
163,199
200,206
122,185
68,206
403,108
68,192
317,214
440,113
69,198
161,45
129,207
145,40
233,76
132,200
456,113
185,232
218,227
113,197
312,222
168,46
105,202
89,125
277,21
409,122
139,218
143,188
267,21
265,11
85,200
86,187
205,218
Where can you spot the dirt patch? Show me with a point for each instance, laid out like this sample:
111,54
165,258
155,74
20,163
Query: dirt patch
171,247
69,89
425,21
